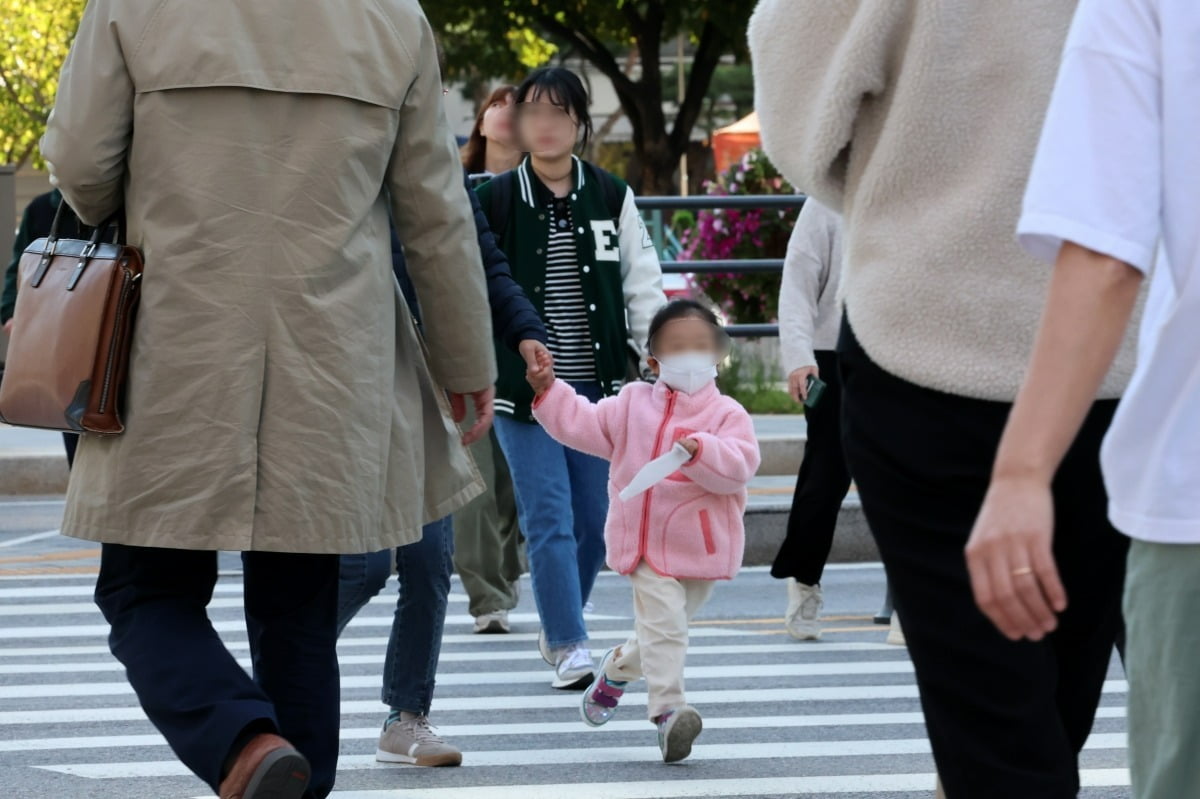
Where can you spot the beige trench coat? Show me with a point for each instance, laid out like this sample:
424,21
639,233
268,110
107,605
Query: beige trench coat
278,399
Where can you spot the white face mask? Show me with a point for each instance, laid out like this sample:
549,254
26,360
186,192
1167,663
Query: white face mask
688,372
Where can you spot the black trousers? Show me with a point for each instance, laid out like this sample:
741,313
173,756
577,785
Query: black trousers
821,486
70,443
192,688
1005,719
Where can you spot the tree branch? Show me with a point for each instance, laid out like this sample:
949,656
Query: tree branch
704,66
593,50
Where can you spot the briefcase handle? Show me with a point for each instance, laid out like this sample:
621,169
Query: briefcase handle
117,217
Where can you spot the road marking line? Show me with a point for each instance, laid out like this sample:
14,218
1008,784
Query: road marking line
684,789
50,572
351,641
611,755
89,608
532,728
536,677
25,539
65,591
778,620
453,656
565,702
237,625
58,573
70,554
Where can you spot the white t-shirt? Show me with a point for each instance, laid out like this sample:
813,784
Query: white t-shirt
1118,171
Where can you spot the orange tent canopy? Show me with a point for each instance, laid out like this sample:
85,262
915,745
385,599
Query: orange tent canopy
730,143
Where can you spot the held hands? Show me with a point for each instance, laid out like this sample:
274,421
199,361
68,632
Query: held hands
539,365
798,382
1011,561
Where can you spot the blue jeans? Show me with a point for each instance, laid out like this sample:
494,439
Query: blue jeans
562,501
415,643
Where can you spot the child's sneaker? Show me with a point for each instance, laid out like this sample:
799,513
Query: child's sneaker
600,700
573,668
677,729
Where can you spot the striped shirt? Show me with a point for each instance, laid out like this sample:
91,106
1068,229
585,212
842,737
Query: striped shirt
566,314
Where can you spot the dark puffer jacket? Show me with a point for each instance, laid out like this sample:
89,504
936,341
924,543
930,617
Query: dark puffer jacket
514,319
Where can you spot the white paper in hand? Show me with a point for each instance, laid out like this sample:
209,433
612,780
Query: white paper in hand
656,471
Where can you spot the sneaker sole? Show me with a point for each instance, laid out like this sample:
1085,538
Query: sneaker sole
804,635
432,761
574,684
493,627
583,703
544,648
686,729
283,774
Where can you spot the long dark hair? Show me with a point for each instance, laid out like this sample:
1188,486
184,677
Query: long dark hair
474,152
563,88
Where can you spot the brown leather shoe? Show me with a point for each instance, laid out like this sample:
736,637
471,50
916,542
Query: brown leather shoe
267,768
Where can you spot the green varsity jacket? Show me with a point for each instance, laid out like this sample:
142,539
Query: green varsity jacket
618,268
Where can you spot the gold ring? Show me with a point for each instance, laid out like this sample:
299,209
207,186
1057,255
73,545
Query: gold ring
1021,572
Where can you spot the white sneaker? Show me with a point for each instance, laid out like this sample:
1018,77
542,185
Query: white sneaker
492,623
895,635
804,608
573,668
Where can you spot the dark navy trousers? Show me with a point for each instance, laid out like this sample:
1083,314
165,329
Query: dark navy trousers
190,686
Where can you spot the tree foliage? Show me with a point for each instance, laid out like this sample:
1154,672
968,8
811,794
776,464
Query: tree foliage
507,37
35,36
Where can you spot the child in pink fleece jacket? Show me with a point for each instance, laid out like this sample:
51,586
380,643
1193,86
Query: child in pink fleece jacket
678,536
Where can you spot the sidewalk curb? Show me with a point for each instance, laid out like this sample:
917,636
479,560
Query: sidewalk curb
34,473
45,474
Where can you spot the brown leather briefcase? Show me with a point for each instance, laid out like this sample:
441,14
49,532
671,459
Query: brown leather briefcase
68,354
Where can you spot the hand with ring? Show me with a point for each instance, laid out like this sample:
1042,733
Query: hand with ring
1011,560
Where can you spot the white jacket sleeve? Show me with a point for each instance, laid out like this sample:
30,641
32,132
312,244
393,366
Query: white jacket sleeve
641,276
805,277
815,63
89,132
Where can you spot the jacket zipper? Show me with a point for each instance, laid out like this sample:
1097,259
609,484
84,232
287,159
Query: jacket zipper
662,431
114,342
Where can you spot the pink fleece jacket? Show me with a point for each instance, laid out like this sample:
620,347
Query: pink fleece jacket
690,526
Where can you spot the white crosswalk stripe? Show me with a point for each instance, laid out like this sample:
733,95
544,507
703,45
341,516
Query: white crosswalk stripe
809,720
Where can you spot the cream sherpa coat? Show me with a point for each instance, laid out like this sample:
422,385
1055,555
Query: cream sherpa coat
918,119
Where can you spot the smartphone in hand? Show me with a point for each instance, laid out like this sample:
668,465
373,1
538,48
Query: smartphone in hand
816,389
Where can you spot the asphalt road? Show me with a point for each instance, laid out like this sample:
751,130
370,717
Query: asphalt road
783,719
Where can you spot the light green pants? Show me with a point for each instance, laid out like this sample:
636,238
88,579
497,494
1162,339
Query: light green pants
1162,661
489,553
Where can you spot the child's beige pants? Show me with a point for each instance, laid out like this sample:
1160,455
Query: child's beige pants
662,608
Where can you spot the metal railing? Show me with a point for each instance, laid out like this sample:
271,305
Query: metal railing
653,208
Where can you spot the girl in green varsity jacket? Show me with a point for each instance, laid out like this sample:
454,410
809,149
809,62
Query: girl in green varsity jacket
579,248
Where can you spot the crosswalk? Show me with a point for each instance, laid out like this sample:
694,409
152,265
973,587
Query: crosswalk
839,718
